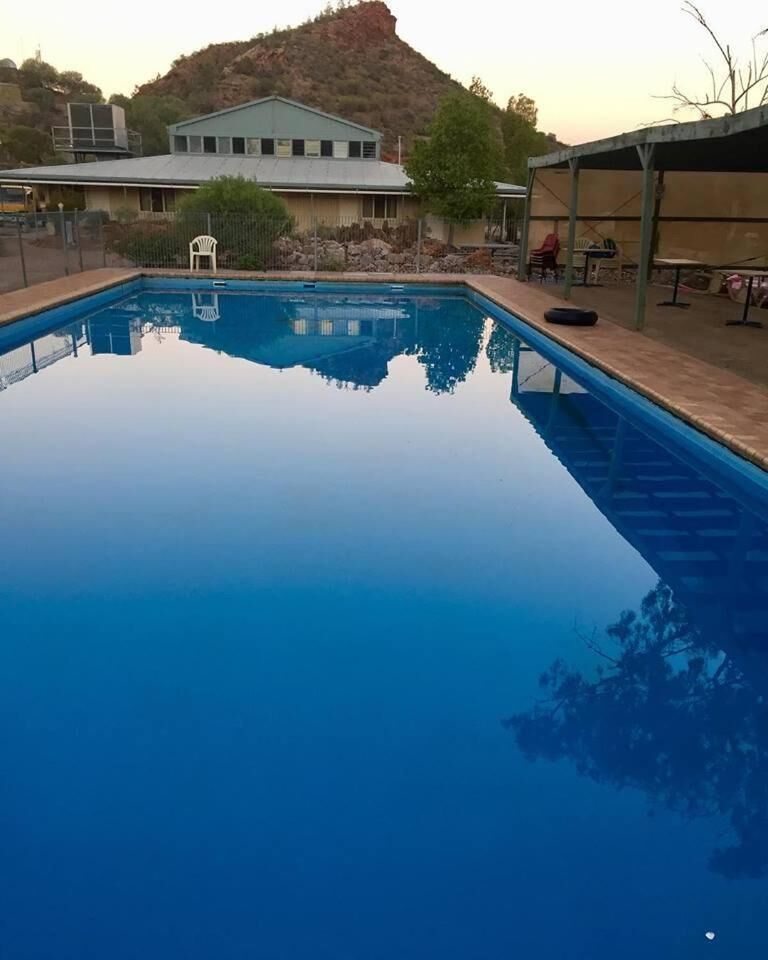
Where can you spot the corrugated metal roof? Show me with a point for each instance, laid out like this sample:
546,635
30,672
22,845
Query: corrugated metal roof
174,127
729,144
187,170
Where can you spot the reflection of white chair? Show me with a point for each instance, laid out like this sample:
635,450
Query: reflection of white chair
203,309
202,246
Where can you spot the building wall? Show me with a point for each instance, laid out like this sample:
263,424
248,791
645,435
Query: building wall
470,233
112,199
606,196
330,209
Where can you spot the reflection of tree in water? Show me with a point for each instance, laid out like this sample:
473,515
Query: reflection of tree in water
501,348
668,714
447,343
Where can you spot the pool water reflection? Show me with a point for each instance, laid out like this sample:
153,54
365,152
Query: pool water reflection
350,626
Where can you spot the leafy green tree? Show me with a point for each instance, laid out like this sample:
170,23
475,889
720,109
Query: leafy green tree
150,116
235,195
453,172
37,73
521,138
75,88
524,107
479,89
68,83
26,145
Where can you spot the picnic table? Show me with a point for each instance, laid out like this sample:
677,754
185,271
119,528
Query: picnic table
677,265
750,275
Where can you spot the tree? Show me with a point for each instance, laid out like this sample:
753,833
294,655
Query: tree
453,172
68,83
26,145
733,87
235,195
74,88
479,89
521,138
524,107
150,116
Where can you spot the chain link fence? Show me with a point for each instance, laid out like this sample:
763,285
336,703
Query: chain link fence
44,246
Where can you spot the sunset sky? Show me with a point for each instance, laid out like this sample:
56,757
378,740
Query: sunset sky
592,69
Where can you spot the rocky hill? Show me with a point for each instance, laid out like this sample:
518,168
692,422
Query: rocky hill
350,62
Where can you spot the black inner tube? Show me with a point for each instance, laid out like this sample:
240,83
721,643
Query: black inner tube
571,316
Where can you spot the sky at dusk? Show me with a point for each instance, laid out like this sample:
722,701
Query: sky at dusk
592,69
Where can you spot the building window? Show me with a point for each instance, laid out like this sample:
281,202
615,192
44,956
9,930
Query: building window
224,144
253,146
238,144
380,207
326,148
354,148
180,144
312,148
268,148
297,148
369,150
152,200
340,149
209,144
195,144
284,148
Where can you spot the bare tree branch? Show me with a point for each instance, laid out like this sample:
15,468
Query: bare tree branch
732,89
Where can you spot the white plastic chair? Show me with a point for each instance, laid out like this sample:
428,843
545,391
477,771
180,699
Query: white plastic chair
203,246
206,309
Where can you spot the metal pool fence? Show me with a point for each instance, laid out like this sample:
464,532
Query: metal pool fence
44,246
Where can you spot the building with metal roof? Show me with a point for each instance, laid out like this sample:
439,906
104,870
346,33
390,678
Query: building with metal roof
323,166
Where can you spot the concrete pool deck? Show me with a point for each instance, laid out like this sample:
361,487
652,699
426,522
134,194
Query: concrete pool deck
726,407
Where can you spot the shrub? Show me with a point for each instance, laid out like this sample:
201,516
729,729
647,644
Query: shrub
245,219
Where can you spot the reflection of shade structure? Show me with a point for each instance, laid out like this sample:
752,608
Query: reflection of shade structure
703,540
115,331
674,702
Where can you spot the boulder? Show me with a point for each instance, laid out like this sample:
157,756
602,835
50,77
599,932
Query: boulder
376,247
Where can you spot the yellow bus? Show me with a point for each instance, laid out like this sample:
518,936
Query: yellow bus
16,199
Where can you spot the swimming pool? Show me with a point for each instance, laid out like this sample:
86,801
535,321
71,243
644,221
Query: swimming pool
313,640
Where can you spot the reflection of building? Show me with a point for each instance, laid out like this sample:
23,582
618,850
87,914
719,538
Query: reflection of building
708,542
115,331
346,339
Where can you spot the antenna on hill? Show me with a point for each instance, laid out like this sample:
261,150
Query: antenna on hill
38,54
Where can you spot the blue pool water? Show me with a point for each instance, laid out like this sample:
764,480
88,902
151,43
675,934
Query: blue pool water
314,646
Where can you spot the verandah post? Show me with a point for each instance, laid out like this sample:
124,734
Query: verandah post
522,265
646,152
572,213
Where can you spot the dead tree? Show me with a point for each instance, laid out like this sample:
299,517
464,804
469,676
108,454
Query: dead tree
735,87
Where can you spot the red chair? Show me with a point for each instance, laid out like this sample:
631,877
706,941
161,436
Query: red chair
545,256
